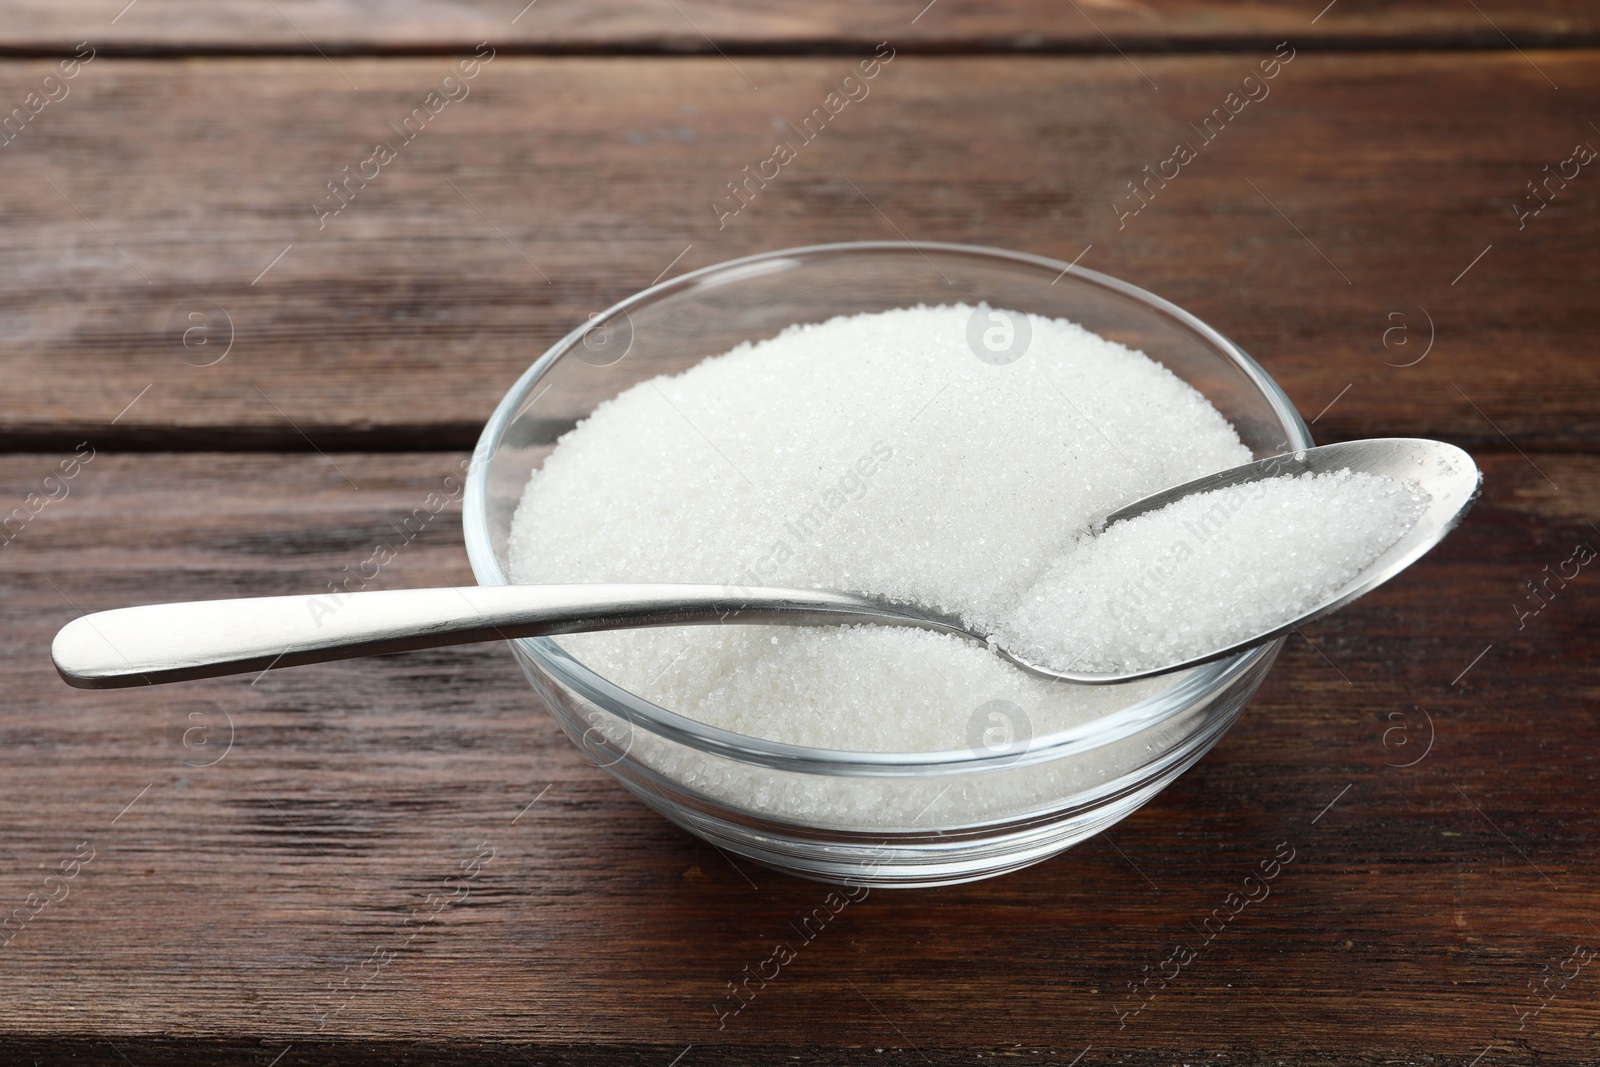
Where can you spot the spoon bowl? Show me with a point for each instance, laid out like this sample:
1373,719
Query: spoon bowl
1448,475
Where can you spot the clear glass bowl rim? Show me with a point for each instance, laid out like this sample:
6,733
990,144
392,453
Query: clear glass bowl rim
1201,682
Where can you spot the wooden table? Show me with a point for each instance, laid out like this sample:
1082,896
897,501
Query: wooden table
219,872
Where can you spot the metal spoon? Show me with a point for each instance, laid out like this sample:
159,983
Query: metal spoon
207,638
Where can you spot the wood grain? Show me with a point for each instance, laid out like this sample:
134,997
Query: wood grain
224,901
258,844
706,26
1365,195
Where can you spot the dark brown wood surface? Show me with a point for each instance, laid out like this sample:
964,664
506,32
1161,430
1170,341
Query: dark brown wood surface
706,26
561,185
243,876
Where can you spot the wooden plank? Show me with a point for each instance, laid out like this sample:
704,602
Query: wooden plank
227,905
1321,219
704,26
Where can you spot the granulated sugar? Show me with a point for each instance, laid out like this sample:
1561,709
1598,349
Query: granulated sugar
873,453
1208,571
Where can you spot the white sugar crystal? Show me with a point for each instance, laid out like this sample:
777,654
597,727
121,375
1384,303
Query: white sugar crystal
1208,571
872,453
877,453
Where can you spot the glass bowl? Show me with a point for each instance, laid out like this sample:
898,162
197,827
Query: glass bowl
938,817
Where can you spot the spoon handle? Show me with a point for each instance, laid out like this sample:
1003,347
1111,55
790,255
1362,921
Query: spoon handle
206,638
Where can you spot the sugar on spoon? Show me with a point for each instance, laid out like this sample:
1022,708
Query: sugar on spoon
207,638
